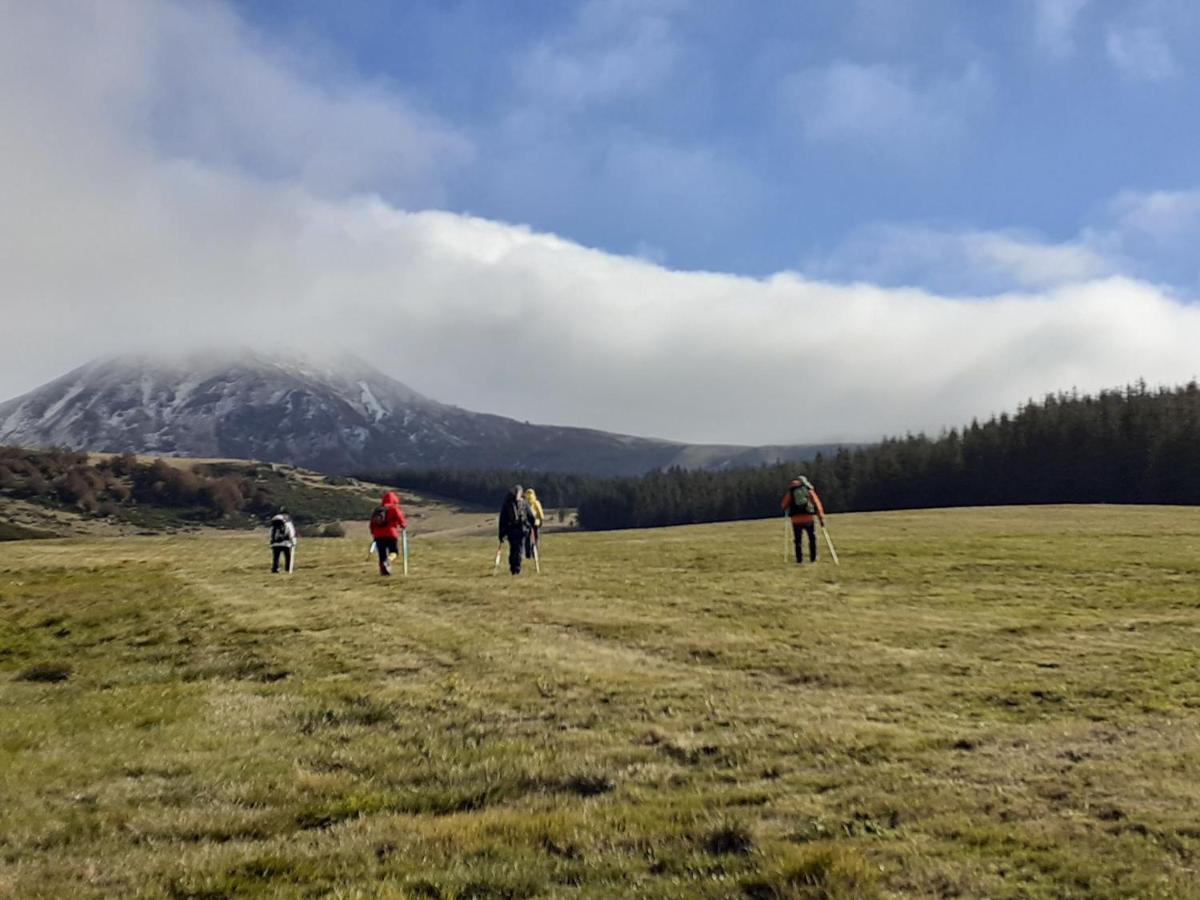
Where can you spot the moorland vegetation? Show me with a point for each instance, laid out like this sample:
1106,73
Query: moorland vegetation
157,494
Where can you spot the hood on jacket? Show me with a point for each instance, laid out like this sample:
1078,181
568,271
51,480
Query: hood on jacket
530,494
390,499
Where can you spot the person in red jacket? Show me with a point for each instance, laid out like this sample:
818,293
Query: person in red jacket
386,523
802,503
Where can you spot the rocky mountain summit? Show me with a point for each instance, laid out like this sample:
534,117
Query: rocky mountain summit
334,416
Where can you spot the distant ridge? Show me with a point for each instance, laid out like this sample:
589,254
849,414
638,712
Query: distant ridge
339,415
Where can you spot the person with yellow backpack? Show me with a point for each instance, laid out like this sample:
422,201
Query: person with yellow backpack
534,534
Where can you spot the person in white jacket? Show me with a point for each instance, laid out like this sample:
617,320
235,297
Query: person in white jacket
283,542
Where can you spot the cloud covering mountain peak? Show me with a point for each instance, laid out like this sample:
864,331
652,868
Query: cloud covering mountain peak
167,198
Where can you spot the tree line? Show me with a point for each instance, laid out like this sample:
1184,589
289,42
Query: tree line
1130,445
486,488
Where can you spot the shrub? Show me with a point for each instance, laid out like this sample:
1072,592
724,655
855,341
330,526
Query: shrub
72,487
36,485
731,838
333,530
46,672
825,870
224,495
125,464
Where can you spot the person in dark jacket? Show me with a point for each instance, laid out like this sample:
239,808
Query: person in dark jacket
516,520
386,523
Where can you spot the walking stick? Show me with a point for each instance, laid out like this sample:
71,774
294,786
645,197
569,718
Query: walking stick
787,538
537,566
496,565
404,543
829,543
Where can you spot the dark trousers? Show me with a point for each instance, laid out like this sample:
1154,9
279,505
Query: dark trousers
531,539
286,553
516,544
798,530
386,546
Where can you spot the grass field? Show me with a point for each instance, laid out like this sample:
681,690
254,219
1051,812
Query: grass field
998,703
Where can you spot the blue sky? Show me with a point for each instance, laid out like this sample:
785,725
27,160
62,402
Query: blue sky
819,221
709,137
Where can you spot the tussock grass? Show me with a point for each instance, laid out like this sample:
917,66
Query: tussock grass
978,703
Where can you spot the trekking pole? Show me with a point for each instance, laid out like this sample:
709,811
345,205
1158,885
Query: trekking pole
829,543
496,565
787,538
371,550
404,543
537,566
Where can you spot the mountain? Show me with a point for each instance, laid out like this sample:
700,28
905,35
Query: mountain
335,416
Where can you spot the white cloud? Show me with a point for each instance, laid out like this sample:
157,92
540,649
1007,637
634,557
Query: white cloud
113,239
882,105
1152,232
969,262
192,81
1162,215
613,49
1054,23
1141,53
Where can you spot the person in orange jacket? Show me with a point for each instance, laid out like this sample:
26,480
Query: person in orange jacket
803,503
386,524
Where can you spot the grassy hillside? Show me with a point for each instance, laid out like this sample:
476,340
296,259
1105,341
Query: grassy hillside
977,702
65,492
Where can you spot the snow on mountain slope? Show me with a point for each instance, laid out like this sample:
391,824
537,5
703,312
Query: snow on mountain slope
340,415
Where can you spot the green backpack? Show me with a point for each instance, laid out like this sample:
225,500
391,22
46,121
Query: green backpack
802,501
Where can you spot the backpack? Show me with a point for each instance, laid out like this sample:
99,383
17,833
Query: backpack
278,531
518,514
802,502
379,518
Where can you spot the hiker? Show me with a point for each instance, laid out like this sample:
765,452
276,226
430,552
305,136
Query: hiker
802,503
387,521
516,521
534,533
283,541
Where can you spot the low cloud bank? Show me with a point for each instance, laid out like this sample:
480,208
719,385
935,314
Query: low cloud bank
122,234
